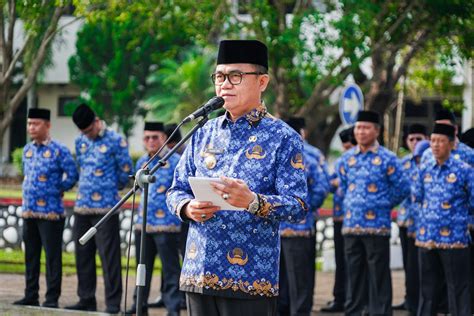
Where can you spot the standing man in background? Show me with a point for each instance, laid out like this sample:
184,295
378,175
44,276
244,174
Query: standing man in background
298,244
162,229
49,170
339,290
406,222
372,183
445,191
105,165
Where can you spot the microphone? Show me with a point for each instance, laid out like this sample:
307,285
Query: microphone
210,106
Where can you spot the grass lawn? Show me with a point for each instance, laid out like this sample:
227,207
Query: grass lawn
13,261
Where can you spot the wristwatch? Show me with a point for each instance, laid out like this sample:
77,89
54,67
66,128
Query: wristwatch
254,205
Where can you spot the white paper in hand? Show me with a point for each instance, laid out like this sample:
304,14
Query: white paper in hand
202,191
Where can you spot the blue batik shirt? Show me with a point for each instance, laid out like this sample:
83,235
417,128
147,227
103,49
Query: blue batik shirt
159,217
460,152
104,169
318,188
49,171
236,253
315,153
338,195
446,194
372,184
408,210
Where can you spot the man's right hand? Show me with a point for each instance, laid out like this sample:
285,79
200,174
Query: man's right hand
200,211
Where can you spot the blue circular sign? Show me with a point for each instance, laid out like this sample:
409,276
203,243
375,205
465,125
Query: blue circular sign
350,103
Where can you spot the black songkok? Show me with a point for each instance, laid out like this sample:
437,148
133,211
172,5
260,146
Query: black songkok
242,52
154,126
297,123
468,137
347,135
368,116
417,129
38,113
444,114
83,116
445,129
169,130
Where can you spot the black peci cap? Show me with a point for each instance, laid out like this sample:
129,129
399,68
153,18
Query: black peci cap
368,116
154,126
39,113
242,52
444,129
417,129
169,130
445,114
83,116
347,135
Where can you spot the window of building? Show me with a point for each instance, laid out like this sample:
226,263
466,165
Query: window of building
67,105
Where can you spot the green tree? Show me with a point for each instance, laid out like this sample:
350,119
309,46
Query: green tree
23,57
123,42
176,88
313,50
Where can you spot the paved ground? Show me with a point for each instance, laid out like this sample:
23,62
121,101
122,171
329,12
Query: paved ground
12,285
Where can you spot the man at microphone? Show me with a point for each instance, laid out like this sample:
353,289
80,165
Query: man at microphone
231,264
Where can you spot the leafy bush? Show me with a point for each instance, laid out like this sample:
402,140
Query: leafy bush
17,157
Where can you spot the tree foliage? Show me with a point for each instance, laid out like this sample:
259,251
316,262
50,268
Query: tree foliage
122,43
24,56
314,50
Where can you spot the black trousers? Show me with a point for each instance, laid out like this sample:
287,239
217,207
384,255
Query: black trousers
369,283
47,234
339,290
207,305
456,266
297,275
166,245
410,265
107,242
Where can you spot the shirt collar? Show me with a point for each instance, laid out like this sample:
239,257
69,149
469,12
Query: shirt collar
253,118
102,129
374,148
446,164
45,142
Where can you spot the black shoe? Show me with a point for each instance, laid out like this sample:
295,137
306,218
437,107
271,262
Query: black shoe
83,306
112,310
172,314
157,304
132,310
400,307
50,304
333,307
25,301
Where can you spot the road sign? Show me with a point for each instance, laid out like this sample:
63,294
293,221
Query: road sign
350,103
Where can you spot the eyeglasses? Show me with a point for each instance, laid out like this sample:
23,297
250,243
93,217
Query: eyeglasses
234,77
152,137
412,139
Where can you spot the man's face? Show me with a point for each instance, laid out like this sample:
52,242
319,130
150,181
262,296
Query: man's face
366,133
93,130
153,140
38,129
243,97
441,146
413,139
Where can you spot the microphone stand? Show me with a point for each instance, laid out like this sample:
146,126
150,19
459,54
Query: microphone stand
143,178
